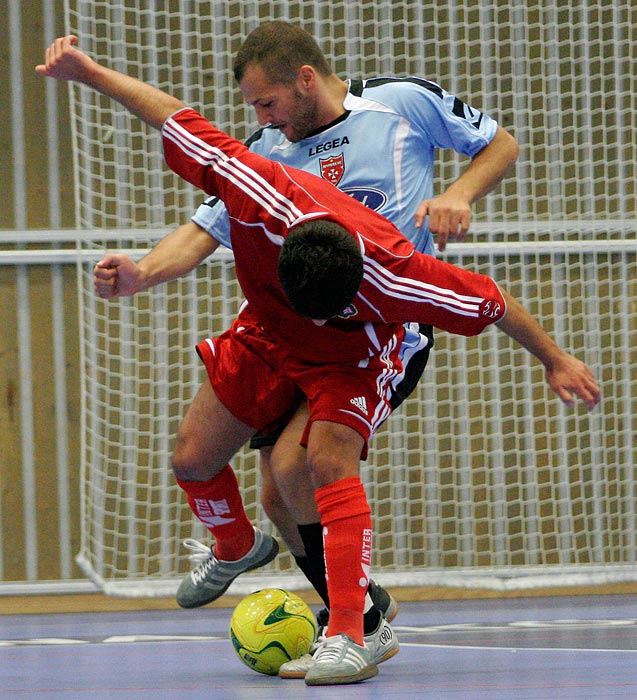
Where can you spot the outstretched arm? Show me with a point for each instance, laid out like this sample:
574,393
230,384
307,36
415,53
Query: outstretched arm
64,61
117,275
566,375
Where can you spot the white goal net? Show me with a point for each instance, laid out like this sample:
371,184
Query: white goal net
482,478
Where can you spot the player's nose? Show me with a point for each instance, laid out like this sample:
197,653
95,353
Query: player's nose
264,116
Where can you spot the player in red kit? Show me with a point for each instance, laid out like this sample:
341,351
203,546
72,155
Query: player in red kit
329,284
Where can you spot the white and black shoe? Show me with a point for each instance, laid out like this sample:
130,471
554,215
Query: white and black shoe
339,660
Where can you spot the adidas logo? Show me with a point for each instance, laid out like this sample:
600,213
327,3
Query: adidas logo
360,403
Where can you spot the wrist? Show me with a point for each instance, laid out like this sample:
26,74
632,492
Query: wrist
552,356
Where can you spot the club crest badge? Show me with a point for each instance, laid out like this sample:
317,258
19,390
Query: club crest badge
348,312
332,168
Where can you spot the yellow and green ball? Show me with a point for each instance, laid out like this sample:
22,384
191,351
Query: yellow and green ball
270,627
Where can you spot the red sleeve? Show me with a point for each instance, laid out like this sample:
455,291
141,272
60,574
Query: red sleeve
210,159
421,288
252,187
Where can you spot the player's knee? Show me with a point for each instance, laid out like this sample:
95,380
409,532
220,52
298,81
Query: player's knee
286,473
333,453
286,464
188,462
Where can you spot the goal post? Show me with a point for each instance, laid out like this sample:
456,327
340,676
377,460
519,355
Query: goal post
482,478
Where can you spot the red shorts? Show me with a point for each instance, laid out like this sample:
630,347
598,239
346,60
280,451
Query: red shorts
262,386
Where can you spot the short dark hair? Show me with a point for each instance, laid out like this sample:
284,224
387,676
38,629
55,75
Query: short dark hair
281,49
320,269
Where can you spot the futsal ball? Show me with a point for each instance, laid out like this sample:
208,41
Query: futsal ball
270,627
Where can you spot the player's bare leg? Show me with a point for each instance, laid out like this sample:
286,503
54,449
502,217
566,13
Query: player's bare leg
208,438
275,507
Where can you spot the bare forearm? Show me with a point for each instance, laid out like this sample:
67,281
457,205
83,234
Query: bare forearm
523,328
450,213
566,375
176,255
148,103
64,61
118,275
487,169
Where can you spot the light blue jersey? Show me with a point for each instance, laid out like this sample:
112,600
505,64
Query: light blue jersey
381,151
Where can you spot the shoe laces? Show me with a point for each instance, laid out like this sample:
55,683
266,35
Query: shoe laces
201,552
329,648
202,555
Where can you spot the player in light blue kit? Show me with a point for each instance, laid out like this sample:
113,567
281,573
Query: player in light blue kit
380,150
377,141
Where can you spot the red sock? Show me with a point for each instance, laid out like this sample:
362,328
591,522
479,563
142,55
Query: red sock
347,534
217,503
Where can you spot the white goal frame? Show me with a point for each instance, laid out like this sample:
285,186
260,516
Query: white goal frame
482,478
454,508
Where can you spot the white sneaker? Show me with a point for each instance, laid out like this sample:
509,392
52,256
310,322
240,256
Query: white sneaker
382,643
339,660
297,668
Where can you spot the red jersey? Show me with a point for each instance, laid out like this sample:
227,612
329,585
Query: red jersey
265,200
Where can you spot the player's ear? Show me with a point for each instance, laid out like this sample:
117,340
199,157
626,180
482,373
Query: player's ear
307,76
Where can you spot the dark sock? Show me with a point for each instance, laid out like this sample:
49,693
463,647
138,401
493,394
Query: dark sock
371,620
313,564
308,570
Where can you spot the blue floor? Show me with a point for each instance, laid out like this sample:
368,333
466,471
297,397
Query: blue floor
583,648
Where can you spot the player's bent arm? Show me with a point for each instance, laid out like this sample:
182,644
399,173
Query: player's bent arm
487,168
65,62
175,255
450,212
566,375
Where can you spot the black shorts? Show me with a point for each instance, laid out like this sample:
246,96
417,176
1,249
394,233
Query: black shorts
414,366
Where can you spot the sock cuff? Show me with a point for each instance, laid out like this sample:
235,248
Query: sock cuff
343,498
200,488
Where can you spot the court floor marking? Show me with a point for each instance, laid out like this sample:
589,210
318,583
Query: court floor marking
515,650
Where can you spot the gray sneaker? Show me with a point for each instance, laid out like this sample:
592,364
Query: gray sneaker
211,578
339,660
382,643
